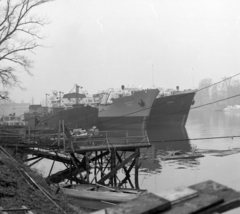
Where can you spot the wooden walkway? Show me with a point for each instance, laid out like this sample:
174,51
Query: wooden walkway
209,198
91,159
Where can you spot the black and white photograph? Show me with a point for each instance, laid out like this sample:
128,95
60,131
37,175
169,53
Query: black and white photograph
119,106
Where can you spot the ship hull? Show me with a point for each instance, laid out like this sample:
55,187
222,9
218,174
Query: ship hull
170,110
83,117
129,112
126,123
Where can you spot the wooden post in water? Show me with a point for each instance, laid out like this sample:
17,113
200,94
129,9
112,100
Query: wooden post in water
87,166
101,165
51,168
64,146
70,170
136,168
59,132
95,167
113,165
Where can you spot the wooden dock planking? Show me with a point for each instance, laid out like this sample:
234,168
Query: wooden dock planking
228,197
231,197
196,205
149,203
212,198
121,147
177,194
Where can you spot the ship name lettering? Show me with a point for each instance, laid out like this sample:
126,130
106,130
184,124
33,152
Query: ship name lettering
128,103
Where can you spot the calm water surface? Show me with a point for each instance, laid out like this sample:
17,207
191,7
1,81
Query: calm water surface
156,175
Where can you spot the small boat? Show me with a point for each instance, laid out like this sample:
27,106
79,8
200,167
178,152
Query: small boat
98,196
232,108
174,155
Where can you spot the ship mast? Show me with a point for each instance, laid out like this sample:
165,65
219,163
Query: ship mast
77,92
152,77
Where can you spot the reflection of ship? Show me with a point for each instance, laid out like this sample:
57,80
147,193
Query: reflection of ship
169,139
162,140
171,110
125,108
67,109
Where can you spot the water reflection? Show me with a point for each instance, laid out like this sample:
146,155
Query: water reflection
162,140
169,139
166,139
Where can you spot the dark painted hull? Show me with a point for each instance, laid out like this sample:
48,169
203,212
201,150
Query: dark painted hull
118,123
82,117
127,112
170,110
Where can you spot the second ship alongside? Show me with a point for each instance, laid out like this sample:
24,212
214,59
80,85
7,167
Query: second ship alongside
125,108
171,109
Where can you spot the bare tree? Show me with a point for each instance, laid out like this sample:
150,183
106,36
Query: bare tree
19,34
203,96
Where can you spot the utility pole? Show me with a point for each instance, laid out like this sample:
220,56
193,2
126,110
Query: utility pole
152,77
77,91
46,100
193,77
60,92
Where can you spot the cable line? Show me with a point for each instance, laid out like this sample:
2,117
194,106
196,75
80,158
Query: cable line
184,95
189,139
176,112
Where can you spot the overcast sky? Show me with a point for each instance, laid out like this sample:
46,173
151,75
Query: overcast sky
99,44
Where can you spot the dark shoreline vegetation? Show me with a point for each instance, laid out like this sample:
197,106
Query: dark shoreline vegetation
16,192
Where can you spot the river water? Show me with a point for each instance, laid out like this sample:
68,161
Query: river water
159,175
156,175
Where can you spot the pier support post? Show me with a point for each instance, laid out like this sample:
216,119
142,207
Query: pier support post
136,168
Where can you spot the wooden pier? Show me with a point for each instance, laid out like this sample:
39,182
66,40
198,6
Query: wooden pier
93,159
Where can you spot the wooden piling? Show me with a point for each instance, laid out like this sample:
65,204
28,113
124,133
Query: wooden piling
136,168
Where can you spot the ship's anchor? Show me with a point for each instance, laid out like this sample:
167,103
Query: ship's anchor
141,103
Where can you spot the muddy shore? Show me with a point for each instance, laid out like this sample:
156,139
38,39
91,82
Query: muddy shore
16,190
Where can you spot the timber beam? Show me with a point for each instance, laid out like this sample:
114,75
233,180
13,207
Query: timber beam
114,171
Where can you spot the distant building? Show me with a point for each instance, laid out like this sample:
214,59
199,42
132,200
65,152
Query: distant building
13,108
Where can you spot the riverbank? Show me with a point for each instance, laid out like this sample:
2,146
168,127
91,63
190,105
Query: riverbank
16,191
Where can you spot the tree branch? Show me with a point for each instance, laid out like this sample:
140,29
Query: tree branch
19,32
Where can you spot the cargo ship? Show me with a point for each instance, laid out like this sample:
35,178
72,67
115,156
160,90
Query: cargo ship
125,108
171,109
67,109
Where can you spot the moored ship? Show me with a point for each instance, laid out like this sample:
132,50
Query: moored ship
124,108
67,109
171,109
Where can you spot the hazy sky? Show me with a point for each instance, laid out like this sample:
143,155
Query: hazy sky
100,44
